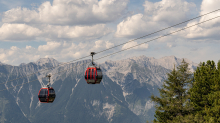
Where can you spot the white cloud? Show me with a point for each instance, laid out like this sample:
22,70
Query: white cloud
109,44
61,20
65,12
169,11
209,5
109,10
53,32
18,32
98,44
101,45
20,15
133,43
67,25
170,45
62,51
156,16
201,32
207,30
50,46
134,25
15,55
3,57
28,47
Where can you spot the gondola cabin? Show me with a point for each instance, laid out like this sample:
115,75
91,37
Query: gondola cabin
46,95
93,75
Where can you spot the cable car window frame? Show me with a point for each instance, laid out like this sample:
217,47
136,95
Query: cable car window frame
43,93
89,73
86,74
52,93
99,74
93,74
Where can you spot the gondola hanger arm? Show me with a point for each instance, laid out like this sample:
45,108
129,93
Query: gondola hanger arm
49,80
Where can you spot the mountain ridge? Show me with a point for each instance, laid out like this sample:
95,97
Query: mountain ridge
123,93
43,61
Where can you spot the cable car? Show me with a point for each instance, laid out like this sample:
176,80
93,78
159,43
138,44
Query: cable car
47,94
93,74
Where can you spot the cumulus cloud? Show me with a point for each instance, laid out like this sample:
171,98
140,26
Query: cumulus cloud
133,43
200,32
62,51
28,47
109,44
156,16
169,11
20,15
208,30
101,45
15,55
135,25
62,19
20,32
170,45
50,46
66,12
53,32
209,5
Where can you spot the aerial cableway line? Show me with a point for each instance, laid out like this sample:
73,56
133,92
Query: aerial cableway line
125,49
112,47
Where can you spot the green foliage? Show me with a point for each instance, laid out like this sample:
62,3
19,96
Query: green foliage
204,95
205,92
190,118
173,101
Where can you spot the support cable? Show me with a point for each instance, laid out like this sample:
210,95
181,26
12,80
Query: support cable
124,49
113,46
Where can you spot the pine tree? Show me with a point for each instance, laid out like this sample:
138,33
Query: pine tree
205,92
174,95
202,86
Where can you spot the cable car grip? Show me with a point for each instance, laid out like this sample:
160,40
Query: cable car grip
49,80
92,53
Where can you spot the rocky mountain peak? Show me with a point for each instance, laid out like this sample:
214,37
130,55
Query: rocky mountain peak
22,64
43,61
2,63
125,84
169,61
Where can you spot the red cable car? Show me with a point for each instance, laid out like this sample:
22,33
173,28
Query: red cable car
47,94
93,74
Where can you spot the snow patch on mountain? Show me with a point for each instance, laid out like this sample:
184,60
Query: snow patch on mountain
141,109
149,105
136,72
125,94
32,95
117,70
109,110
95,102
135,76
38,105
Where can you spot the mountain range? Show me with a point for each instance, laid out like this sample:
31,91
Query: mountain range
123,96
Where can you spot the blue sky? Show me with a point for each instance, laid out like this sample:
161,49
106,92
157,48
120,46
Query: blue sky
70,29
